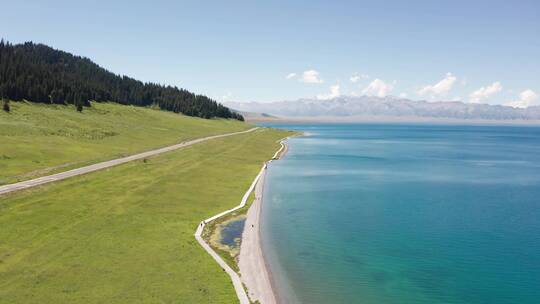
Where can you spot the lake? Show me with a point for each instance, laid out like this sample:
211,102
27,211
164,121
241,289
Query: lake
375,213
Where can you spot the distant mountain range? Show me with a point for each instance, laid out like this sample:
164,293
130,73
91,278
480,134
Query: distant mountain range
351,107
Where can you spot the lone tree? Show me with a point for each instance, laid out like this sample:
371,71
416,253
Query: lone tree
6,105
3,90
78,101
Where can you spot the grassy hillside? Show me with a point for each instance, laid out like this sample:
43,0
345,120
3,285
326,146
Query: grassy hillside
125,235
36,72
38,139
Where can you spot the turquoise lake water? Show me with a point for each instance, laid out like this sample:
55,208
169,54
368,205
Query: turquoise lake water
372,213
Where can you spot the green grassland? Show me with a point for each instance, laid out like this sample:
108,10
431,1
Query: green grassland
39,139
125,234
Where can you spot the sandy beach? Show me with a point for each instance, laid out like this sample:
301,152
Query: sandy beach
253,268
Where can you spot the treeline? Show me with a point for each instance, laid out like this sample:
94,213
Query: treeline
38,73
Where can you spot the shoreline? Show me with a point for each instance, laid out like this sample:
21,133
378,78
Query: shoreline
254,270
239,283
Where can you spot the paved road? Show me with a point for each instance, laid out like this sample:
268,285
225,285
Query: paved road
91,168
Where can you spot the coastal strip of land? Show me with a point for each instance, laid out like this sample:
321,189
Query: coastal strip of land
256,276
107,164
253,268
237,282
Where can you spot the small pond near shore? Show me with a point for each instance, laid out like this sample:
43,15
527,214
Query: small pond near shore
231,232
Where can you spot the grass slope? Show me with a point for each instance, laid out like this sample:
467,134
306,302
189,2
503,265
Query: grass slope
39,139
125,234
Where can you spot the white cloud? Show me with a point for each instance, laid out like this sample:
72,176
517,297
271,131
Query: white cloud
334,92
311,76
485,92
356,77
403,95
378,88
526,98
290,76
441,88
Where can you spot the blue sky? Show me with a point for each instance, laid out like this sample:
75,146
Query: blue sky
475,51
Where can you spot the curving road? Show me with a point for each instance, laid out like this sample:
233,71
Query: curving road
107,164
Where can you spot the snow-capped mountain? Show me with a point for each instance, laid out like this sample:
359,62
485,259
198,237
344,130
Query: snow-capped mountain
369,106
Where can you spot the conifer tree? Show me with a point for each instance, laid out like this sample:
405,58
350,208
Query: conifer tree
38,73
